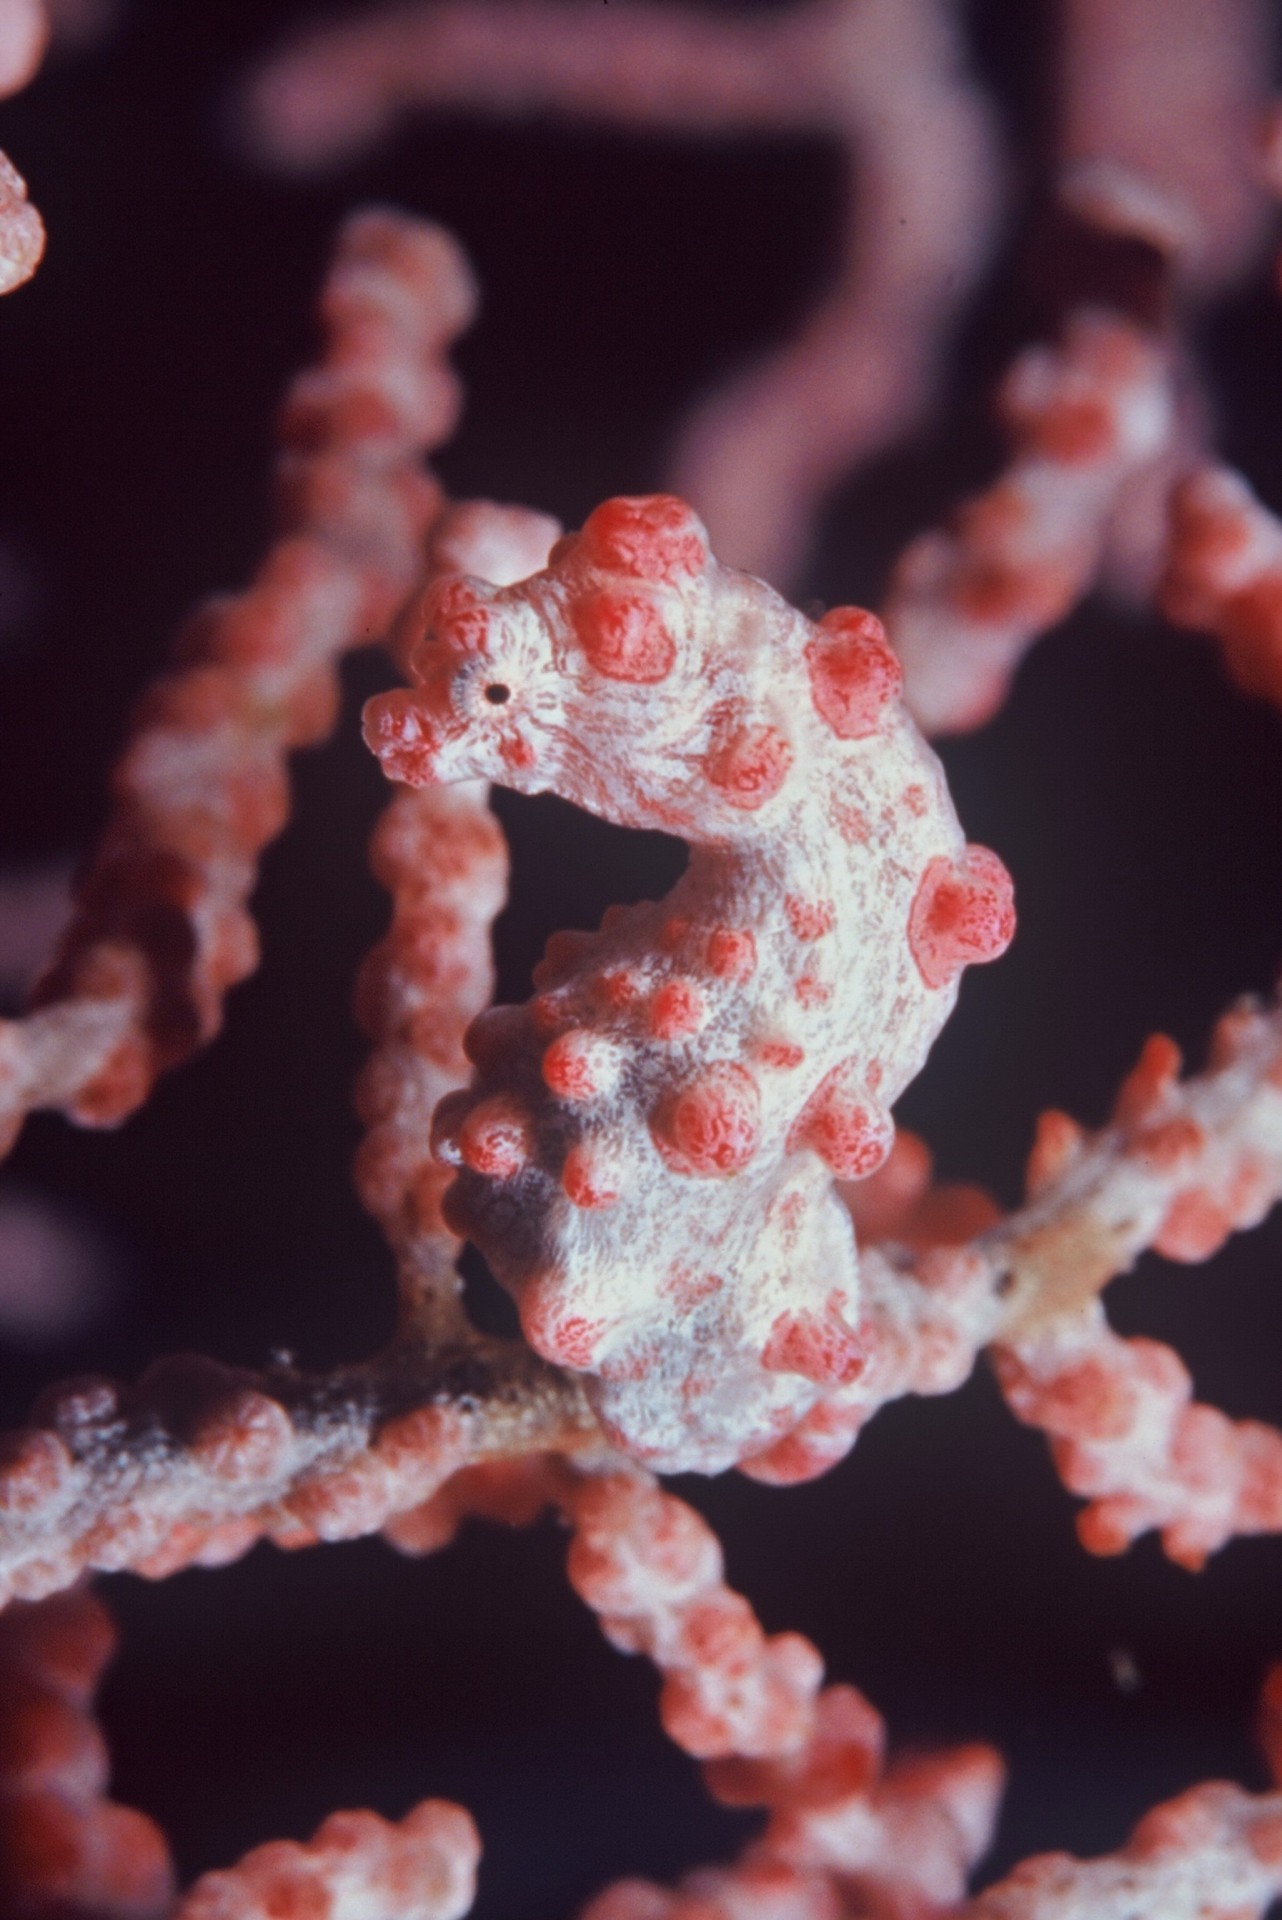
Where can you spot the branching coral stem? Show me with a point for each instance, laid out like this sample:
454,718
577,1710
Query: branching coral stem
161,929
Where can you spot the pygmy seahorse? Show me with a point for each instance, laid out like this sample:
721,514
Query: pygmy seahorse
647,1153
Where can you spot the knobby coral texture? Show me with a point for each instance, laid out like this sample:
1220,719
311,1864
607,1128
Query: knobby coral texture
674,1146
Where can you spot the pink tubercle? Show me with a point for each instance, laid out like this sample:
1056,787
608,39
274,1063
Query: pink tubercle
964,912
713,1125
854,675
651,537
590,1177
749,765
844,1125
732,954
495,1139
819,1346
624,637
677,1010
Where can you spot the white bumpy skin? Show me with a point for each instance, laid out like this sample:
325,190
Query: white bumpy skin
647,1154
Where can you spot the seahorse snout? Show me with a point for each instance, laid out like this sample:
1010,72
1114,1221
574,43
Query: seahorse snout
484,690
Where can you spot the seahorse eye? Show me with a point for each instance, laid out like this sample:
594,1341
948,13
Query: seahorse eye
497,694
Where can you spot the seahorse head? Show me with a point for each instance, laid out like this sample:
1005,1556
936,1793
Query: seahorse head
602,678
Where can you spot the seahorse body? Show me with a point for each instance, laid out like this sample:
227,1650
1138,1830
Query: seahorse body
647,1154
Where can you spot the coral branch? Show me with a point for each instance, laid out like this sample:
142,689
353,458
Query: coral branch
651,1568
1224,575
1088,418
750,1706
340,88
161,930
443,858
846,1838
758,457
355,1867
1181,1166
22,234
197,1461
64,1847
24,36
1215,1851
901,1838
1126,1433
441,855
1160,99
884,78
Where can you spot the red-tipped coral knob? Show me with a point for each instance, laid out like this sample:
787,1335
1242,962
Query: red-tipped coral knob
624,637
853,673
495,1138
713,1125
652,537
964,912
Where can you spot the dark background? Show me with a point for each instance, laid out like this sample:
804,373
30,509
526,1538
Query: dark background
1136,797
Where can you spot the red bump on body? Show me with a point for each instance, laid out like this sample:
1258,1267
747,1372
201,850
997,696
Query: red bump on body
713,1125
624,637
963,912
686,1287
455,614
732,954
819,1346
495,1138
561,955
566,1338
749,766
397,728
516,752
589,1178
650,536
812,992
575,1066
247,1437
854,675
810,919
676,1011
784,1054
447,1123
548,1012
619,988
847,1129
